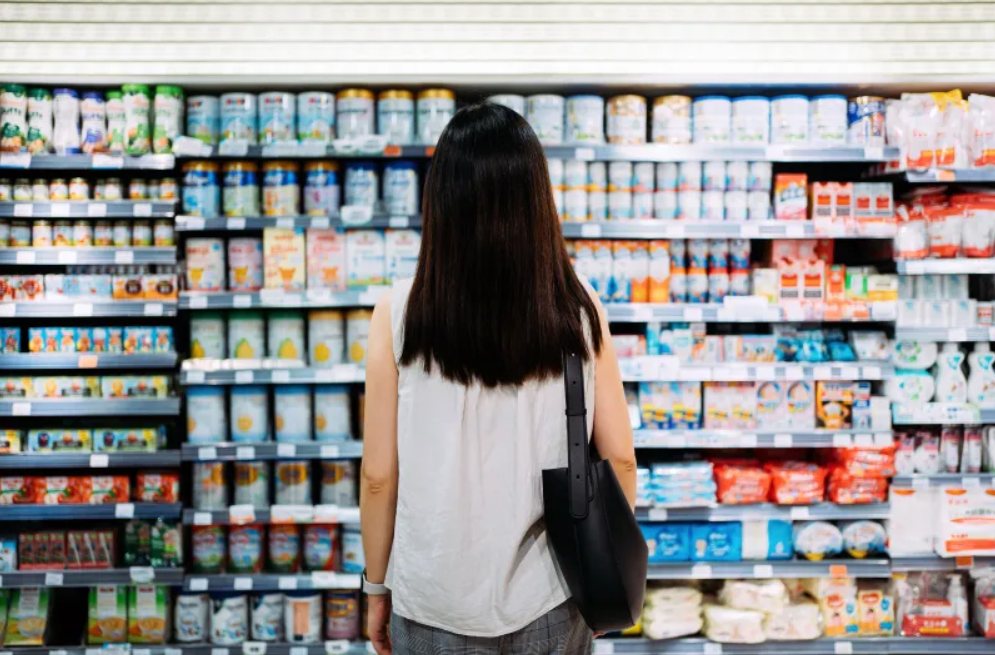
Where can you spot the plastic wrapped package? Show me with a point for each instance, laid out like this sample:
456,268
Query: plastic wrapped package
768,596
667,542
931,604
864,538
984,605
794,622
817,540
966,523
846,489
741,483
911,522
716,542
767,540
670,612
796,483
731,626
875,610
875,462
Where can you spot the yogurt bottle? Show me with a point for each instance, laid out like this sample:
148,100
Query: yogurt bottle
789,119
249,411
750,120
545,113
436,108
40,120
277,118
315,117
396,116
238,117
203,119
354,113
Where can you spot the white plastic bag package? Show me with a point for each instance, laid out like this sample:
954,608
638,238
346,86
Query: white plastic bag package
912,522
794,623
981,133
762,596
730,626
670,612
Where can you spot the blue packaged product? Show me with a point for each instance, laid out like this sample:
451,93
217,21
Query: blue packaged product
682,471
767,540
361,183
10,340
162,339
201,193
667,542
400,188
716,542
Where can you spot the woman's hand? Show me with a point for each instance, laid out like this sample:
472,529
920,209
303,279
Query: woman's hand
377,618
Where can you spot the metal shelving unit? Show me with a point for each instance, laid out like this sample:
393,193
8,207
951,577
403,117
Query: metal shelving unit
945,266
119,209
271,581
236,224
63,256
91,512
759,439
765,511
672,229
338,374
60,460
729,313
89,407
91,577
277,514
658,152
227,452
276,299
960,335
856,568
87,162
85,361
84,308
856,646
662,368
966,480
934,563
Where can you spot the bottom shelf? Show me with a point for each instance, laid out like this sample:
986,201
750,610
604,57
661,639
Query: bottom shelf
337,647
868,646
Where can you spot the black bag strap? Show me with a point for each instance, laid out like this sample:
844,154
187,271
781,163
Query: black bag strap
578,456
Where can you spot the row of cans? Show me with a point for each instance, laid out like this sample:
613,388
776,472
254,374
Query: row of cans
78,189
278,548
666,176
583,205
43,233
262,484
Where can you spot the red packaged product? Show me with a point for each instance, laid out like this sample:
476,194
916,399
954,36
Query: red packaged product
796,483
157,487
741,485
62,490
42,551
107,489
875,462
847,489
18,490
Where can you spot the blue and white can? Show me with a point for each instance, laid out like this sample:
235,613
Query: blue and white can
238,117
241,189
585,119
203,120
396,117
511,101
711,118
315,117
436,107
789,119
400,188
361,183
545,115
750,120
322,189
201,194
93,122
277,118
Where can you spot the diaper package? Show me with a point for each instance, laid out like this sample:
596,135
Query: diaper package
731,626
864,538
716,542
670,612
768,596
667,542
817,540
794,622
770,540
875,610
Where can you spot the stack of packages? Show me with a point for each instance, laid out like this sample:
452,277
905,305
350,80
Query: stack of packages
683,484
860,475
670,612
752,612
850,609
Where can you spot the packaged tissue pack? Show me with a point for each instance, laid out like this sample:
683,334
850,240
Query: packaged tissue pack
875,611
767,540
670,612
769,596
911,523
795,622
731,626
966,524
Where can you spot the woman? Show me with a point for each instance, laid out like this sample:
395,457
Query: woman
465,407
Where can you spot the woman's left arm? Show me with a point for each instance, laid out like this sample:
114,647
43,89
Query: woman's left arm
378,484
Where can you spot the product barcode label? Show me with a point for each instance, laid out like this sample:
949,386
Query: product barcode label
142,574
190,223
795,231
83,309
783,441
322,222
245,452
287,582
286,450
712,649
153,309
198,302
59,209
143,209
68,257
863,440
957,334
873,152
693,314
799,513
590,231
602,647
99,461
842,441
747,441
329,452
241,514
233,148
584,154
241,300
285,223
398,222
202,518
124,257
323,580
822,373
749,231
236,223
700,571
15,160
843,648
53,579
872,373
254,648
765,373
24,210
20,409
25,257
96,210
356,214
217,651
336,647
658,514
8,309
200,584
124,511
763,571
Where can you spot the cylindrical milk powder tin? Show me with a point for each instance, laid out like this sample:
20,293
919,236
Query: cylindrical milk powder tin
203,118
267,617
251,482
201,195
302,617
557,177
210,483
545,113
361,183
321,547
626,119
292,413
168,117
714,176
620,176
205,264
286,335
759,176
40,120
511,101
712,208
436,108
342,615
326,338
789,119
241,194
357,333
400,188
575,204
827,121
239,117
597,176
865,121
245,264
396,116
597,205
575,174
280,190
758,205
249,411
315,117
116,122
619,205
688,205
666,176
338,483
207,335
643,177
353,560
585,119
665,204
642,205
332,415
191,617
711,119
229,619
293,481
672,120
65,134
277,117
93,122
736,175
689,176
735,204
321,188
750,120
137,119
246,335
206,415
355,113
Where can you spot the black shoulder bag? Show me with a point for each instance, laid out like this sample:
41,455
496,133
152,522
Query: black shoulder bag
593,533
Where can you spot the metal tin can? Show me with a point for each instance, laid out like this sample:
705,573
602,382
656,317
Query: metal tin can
62,234
865,121
514,102
736,205
711,119
353,560
141,234
342,615
293,481
113,190
241,189
210,482
357,334
20,234
338,483
585,119
714,176
436,108
137,130
163,233
827,120
292,414
247,339
82,233
286,335
39,191
251,478
277,117
93,122
245,549
245,264
41,234
103,234
168,117
205,263
39,121
626,118
79,189
545,113
249,411
361,184
203,119
672,120
400,188
619,205
665,204
712,208
138,190
575,205
326,340
355,113
737,175
789,119
284,548
750,120
322,193
688,205
167,189
315,117
689,176
59,190
321,547
209,548
643,177
239,120
267,617
122,234
396,116
201,195
760,176
280,190
620,176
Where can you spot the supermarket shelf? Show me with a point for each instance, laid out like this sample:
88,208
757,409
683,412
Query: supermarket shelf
91,577
960,335
277,514
865,646
339,647
267,451
754,439
198,224
963,175
945,479
961,265
340,374
856,568
732,311
662,368
60,460
774,153
87,162
89,209
940,414
765,511
65,361
91,512
671,229
314,298
90,407
303,150
936,563
59,256
271,582
63,309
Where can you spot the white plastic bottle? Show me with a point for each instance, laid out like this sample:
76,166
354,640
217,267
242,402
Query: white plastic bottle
957,597
951,385
981,377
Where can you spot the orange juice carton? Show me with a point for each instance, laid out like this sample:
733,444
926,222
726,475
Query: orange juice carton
823,202
659,271
863,201
791,196
402,248
843,203
365,258
789,280
326,259
813,280
884,207
602,269
284,258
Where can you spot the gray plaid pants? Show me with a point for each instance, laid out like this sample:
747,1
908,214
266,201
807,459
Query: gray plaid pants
561,631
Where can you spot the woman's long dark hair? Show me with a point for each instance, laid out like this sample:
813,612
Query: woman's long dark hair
495,299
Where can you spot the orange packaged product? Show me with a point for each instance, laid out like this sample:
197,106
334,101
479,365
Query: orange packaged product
867,462
18,490
741,484
108,489
796,483
62,490
157,488
846,489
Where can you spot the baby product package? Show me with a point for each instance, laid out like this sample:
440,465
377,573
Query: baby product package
732,626
770,540
716,542
365,258
794,622
284,259
326,259
667,542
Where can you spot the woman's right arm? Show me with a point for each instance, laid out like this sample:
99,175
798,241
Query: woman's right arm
612,431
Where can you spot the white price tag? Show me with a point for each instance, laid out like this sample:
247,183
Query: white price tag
842,441
863,440
873,152
108,161
286,450
15,160
99,461
329,452
398,222
321,222
199,584
748,441
143,209
794,231
172,651
244,377
53,579
96,210
285,149
153,309
883,439
83,309
233,148
280,376
254,647
236,223
766,372
124,511
783,441
245,452
356,214
285,223
68,257
763,571
286,582
674,230
298,650
142,574
871,373
849,373
219,651
59,209
920,482
822,373
20,409
196,377
242,584
124,257
991,334
749,231
198,301
971,483
239,514
799,514
25,257
324,375
8,309
584,154
134,651
323,580
710,648
336,647
190,223
58,652
693,314
957,334
590,231
24,210
241,300
701,571
202,518
844,647
602,647
658,514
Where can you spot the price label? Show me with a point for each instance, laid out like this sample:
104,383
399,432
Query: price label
602,647
783,441
153,309
590,231
794,231
233,148
675,230
749,231
59,209
883,439
25,257
68,257
241,300
254,648
190,223
242,584
763,571
658,514
324,375
971,483
356,214
844,647
964,562
863,440
198,301
285,149
285,223
748,441
292,514
134,651
701,571
286,450
957,334
236,223
872,373
298,650
398,222
143,209
991,334
124,257
286,582
323,580
142,574
196,377
245,452
53,579
710,648
20,409
96,210
336,647
822,373
219,651
766,373
693,314
15,160
876,153
584,154
280,376
799,514
244,377
920,482
842,441
99,461
202,518
24,210
239,514
199,584
108,161
124,511
8,309
172,651
329,452
838,570
849,373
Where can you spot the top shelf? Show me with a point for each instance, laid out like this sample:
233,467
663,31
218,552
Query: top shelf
23,160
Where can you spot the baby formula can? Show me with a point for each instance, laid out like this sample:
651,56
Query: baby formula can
59,190
338,483
321,188
201,195
245,264
267,617
353,560
665,204
672,120
575,204
435,109
750,120
205,263
280,190
238,117
557,176
13,118
245,549
168,118
575,174
626,118
210,483
511,101
191,616
41,234
711,119
141,234
203,119
789,119
246,335
315,117
83,233
293,479
758,205
62,234
396,116
326,338
103,233
865,121
688,205
718,284
737,174
620,175
736,205
666,176
355,113
361,184
642,205
302,617
357,330
739,254
241,194
714,176
585,119
205,405
40,191
643,178
620,205
712,207
162,232
20,234
332,416
65,136
137,107
40,120
229,619
321,547
597,175
545,113
251,478
689,176
117,126
277,117
597,205
827,124
759,176
292,413
286,335
342,615
400,188
284,548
